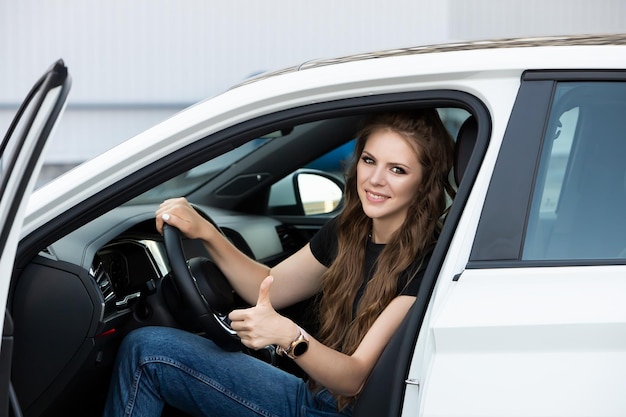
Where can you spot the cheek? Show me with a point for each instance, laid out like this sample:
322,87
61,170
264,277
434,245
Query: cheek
361,173
419,182
412,190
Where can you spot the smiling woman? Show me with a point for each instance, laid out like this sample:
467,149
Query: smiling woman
363,294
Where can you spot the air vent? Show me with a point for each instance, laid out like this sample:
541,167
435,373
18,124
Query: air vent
288,238
101,276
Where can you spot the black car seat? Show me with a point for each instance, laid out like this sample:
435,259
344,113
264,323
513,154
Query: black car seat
465,142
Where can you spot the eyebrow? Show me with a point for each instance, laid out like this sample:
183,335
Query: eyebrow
401,164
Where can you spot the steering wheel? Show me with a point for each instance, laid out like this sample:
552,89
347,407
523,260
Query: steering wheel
204,288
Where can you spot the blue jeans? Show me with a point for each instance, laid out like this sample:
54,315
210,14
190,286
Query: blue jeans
159,365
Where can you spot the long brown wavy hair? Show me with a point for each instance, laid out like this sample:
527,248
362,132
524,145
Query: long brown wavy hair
434,146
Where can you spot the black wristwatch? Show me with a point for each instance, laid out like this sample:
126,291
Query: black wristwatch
298,346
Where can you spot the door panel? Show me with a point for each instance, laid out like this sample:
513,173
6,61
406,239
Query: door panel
540,341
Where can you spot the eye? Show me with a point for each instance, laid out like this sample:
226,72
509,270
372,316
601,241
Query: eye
367,160
398,170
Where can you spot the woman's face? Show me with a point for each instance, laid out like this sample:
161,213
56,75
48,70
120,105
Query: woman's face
388,178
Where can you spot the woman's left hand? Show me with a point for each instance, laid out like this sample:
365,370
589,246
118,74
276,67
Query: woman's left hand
261,325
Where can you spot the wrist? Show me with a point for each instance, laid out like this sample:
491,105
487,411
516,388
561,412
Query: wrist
297,347
290,336
207,233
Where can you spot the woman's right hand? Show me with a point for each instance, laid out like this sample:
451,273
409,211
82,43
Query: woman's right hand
179,213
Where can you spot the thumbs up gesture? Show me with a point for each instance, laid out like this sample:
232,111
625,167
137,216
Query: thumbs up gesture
261,325
264,293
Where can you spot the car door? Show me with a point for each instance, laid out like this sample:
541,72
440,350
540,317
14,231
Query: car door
20,159
536,322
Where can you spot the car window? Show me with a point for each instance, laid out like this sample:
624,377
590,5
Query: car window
579,199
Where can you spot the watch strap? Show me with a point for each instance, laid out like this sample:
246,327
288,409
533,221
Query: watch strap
295,348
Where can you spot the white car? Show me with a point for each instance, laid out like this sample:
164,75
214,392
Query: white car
521,311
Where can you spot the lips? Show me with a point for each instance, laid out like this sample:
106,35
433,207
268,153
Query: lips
375,198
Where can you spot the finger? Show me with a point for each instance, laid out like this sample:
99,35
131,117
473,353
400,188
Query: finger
264,291
236,316
159,222
166,207
172,206
173,201
175,221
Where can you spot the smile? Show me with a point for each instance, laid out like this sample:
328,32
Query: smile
375,197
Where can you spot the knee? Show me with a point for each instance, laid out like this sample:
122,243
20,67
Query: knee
147,341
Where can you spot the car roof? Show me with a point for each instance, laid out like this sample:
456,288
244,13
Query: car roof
566,40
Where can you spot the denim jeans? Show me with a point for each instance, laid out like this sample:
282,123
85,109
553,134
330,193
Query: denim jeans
159,365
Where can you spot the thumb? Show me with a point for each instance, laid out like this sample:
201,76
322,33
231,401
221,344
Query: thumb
264,291
177,222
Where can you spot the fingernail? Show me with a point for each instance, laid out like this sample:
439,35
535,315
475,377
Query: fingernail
165,217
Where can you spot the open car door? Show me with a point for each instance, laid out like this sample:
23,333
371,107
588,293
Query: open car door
20,163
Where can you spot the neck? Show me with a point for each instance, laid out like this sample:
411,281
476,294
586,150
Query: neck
380,234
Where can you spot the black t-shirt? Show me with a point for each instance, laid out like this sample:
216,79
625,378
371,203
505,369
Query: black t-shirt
324,246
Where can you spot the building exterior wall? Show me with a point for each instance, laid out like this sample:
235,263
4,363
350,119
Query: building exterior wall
482,19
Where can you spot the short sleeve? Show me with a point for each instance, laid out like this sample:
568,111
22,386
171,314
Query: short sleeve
413,286
324,243
414,281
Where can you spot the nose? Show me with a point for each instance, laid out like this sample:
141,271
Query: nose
378,176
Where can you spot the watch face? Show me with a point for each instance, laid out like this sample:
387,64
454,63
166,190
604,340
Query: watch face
300,348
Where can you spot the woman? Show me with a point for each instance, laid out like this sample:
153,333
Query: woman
365,265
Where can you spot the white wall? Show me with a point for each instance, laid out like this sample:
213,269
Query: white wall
184,50
134,63
481,19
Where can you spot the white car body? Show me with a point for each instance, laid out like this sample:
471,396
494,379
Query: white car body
540,340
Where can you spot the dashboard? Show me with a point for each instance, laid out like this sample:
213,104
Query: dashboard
127,259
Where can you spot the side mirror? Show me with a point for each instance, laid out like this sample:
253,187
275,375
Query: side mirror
306,193
318,194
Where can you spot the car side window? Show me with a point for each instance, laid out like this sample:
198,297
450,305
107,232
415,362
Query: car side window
579,201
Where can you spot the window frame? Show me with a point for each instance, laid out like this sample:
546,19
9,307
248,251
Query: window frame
499,240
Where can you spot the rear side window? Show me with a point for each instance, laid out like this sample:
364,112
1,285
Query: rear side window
579,201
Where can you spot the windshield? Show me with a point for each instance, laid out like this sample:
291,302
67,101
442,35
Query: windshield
189,181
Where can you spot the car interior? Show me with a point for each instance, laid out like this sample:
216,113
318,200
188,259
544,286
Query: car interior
74,301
